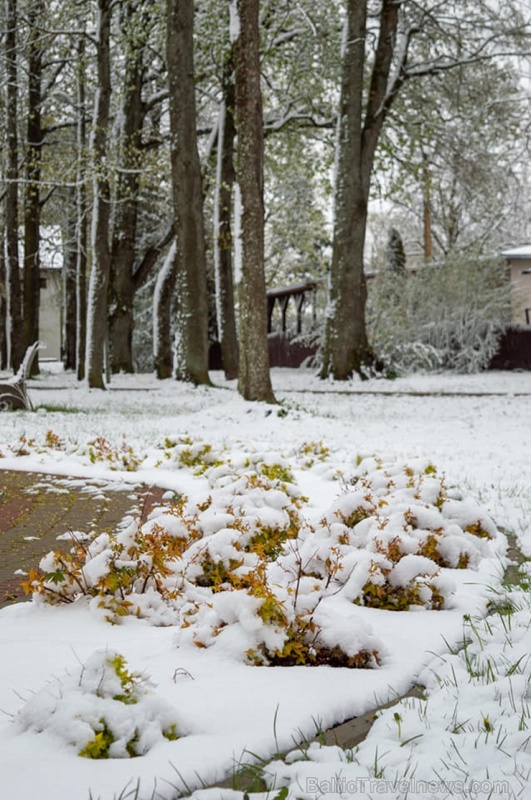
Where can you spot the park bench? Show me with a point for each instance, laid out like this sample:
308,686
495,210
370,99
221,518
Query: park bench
13,391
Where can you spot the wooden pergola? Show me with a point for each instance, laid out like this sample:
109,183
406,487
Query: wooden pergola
299,292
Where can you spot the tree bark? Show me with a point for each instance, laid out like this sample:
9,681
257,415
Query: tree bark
32,206
254,380
346,349
3,308
426,208
225,313
162,306
99,277
81,232
70,260
124,237
14,294
192,321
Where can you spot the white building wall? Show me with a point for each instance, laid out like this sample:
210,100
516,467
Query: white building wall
51,315
519,261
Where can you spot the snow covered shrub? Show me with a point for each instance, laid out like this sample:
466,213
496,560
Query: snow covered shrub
242,570
102,710
117,457
392,529
53,440
311,452
184,452
410,581
448,315
99,449
126,571
272,624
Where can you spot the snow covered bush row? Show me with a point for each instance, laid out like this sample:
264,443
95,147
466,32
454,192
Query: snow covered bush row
469,738
169,453
97,449
242,569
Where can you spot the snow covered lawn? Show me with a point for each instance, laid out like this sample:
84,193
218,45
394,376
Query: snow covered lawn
195,701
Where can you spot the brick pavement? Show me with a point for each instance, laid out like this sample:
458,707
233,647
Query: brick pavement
37,508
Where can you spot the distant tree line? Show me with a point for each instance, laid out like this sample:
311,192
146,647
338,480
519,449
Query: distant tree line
188,152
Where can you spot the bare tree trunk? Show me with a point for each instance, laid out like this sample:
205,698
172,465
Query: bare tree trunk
254,381
69,287
14,295
3,308
226,318
192,349
427,221
81,224
32,206
135,24
346,346
162,306
361,118
99,277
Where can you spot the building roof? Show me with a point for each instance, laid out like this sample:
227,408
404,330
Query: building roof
518,252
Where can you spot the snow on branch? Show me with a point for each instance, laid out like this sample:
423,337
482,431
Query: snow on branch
274,125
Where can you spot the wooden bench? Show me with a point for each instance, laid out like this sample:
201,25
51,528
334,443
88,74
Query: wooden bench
13,391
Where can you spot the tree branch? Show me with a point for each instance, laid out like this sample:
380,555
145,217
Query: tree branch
151,256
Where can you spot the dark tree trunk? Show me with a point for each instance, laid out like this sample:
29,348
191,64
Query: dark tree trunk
32,206
99,276
81,232
162,308
345,348
254,381
124,240
14,294
226,317
3,309
192,349
426,202
69,289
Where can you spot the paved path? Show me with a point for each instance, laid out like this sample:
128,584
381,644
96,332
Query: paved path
37,508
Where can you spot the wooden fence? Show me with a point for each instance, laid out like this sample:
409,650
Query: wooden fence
514,351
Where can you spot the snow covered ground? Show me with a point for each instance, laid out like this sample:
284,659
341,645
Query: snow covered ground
473,727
